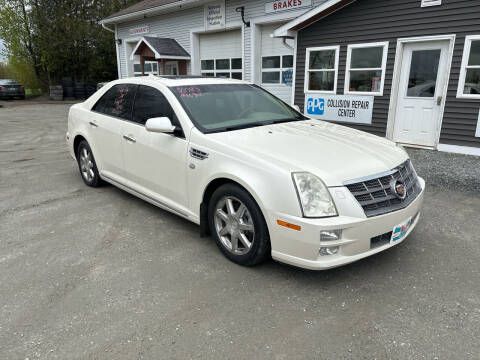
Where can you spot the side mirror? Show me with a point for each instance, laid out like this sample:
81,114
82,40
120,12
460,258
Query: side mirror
160,125
296,107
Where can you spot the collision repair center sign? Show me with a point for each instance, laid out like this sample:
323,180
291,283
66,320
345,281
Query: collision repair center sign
345,108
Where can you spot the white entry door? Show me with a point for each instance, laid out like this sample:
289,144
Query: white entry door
421,93
171,68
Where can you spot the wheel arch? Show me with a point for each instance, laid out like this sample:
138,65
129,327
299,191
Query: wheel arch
213,185
76,142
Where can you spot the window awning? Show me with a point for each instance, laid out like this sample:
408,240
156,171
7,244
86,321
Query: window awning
160,48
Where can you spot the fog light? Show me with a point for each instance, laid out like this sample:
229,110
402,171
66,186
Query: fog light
332,235
327,251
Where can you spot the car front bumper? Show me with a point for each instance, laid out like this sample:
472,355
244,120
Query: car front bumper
302,248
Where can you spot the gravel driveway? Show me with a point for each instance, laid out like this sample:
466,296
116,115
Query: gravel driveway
99,274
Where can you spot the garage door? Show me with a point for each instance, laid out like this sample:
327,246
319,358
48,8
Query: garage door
221,54
276,63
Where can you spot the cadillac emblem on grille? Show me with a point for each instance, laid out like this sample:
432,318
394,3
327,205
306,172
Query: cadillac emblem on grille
399,189
386,192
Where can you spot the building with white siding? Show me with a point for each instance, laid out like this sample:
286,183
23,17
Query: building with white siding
215,39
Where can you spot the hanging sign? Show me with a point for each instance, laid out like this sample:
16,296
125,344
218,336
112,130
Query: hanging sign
345,108
276,6
139,30
215,15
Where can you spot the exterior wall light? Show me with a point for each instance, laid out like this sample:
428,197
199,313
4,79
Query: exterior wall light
241,9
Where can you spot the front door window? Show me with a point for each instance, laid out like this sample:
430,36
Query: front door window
171,68
422,81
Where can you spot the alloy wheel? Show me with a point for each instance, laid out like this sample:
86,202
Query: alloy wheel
86,164
234,225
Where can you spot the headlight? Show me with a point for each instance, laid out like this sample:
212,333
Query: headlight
314,197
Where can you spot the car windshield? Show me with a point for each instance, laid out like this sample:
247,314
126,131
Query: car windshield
225,107
8,82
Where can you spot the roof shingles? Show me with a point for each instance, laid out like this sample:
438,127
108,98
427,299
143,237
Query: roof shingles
166,46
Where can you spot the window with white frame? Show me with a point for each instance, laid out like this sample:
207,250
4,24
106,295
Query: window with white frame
273,68
151,67
469,82
223,68
366,65
321,69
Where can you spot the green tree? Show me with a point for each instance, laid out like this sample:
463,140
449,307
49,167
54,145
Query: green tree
61,38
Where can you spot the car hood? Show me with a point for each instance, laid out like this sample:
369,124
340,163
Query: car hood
334,153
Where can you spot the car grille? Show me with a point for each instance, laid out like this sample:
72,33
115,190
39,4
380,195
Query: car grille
376,195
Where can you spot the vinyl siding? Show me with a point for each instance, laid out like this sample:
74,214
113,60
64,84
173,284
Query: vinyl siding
178,25
388,20
274,46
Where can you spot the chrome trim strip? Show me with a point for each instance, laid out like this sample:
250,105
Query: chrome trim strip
179,212
376,176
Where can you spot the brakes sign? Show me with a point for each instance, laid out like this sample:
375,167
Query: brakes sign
276,6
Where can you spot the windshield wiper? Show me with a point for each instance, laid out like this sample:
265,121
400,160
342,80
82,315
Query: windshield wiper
280,121
246,126
258,124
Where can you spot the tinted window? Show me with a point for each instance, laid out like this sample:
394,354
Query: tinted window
117,101
150,103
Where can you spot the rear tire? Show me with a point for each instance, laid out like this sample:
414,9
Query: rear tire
238,226
87,165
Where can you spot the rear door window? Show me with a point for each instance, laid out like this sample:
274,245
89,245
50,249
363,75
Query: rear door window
117,102
151,103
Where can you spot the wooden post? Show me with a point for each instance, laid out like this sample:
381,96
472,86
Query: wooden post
163,67
142,62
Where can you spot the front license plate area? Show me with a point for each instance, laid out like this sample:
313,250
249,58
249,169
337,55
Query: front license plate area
400,231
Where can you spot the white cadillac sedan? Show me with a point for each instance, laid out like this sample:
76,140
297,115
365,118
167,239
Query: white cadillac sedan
253,172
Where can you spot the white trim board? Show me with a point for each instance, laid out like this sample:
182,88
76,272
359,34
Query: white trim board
396,79
463,68
477,133
456,149
285,30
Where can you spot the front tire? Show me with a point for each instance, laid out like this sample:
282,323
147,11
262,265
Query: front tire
238,226
87,166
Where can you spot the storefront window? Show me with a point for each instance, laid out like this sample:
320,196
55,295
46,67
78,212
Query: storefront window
469,84
366,68
222,68
322,69
274,66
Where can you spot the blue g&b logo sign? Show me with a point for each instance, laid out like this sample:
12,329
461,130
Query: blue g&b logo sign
315,106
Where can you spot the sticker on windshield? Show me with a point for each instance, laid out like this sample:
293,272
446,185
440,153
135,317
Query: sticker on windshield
189,92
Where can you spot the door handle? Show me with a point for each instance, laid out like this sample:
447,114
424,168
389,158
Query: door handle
93,124
439,100
128,138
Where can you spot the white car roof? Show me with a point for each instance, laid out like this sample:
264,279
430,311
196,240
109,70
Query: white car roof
180,80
